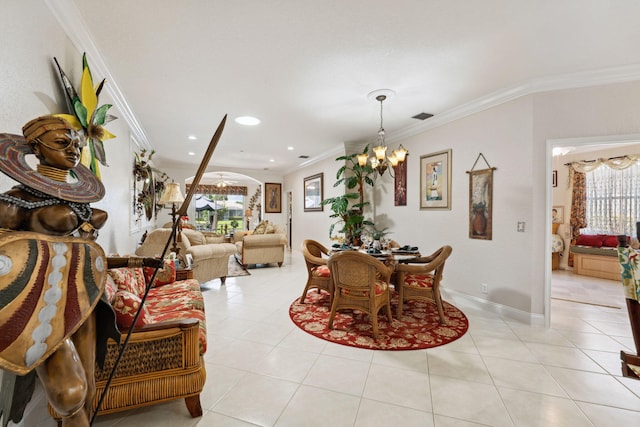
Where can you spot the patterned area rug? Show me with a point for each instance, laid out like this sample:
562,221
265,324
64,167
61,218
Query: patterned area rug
235,268
419,327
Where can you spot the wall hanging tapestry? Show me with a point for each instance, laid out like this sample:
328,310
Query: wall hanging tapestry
481,201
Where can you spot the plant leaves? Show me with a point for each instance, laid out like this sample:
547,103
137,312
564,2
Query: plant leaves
98,151
81,113
100,114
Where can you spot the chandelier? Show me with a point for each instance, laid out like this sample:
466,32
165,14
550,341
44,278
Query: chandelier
380,162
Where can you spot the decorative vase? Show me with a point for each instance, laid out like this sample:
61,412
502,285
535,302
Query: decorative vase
479,222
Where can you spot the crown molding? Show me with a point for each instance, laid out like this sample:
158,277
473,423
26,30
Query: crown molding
546,84
72,23
74,26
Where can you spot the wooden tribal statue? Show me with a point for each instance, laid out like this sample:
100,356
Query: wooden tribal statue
52,273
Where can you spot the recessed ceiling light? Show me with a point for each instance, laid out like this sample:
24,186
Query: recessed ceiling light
271,160
290,148
247,120
192,137
191,153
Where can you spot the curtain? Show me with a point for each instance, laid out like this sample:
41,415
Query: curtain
578,217
235,190
613,200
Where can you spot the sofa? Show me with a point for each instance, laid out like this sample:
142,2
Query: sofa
163,359
263,245
596,255
210,254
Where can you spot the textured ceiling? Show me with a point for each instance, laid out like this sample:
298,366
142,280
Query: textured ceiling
305,67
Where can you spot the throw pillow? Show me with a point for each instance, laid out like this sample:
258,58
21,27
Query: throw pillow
612,241
129,279
126,306
110,289
261,228
590,240
554,228
166,275
270,229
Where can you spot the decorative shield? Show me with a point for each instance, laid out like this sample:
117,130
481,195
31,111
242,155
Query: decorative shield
49,286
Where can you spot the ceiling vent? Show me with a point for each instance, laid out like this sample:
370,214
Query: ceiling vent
303,157
422,116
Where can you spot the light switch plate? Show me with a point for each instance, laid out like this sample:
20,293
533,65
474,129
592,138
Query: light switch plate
520,226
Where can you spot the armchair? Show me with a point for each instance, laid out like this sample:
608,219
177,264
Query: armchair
319,276
163,360
262,246
422,281
361,283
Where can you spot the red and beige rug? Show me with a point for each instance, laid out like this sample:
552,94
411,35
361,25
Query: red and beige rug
419,327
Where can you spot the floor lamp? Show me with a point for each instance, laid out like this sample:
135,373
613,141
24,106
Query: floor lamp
173,196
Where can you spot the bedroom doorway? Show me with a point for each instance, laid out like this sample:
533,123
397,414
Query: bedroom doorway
561,284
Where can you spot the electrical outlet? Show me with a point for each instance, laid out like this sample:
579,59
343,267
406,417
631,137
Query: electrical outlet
520,226
484,288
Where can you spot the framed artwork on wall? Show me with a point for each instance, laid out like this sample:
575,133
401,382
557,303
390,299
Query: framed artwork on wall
481,204
435,180
272,197
554,179
557,214
400,185
313,193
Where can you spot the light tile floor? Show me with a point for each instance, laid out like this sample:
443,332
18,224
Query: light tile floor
263,371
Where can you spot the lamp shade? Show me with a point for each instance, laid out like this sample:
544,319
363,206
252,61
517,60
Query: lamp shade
172,194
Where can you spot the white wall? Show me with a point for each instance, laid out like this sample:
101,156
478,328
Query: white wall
513,138
30,87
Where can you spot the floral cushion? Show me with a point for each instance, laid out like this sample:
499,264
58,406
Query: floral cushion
321,271
129,279
110,289
126,305
165,275
186,314
175,297
418,280
380,288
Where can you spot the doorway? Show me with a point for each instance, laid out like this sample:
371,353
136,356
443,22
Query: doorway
579,145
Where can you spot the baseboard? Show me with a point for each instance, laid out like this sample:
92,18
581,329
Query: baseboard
492,307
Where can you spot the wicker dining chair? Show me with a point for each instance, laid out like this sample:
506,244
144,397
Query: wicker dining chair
319,276
361,283
419,278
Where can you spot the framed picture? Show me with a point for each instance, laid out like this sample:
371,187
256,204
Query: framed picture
313,194
557,214
435,180
400,185
554,179
272,197
481,204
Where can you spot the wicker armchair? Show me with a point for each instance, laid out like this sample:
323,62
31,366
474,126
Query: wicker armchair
319,276
163,359
419,278
361,283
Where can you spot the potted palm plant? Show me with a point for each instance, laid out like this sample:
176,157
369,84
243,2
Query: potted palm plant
348,208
